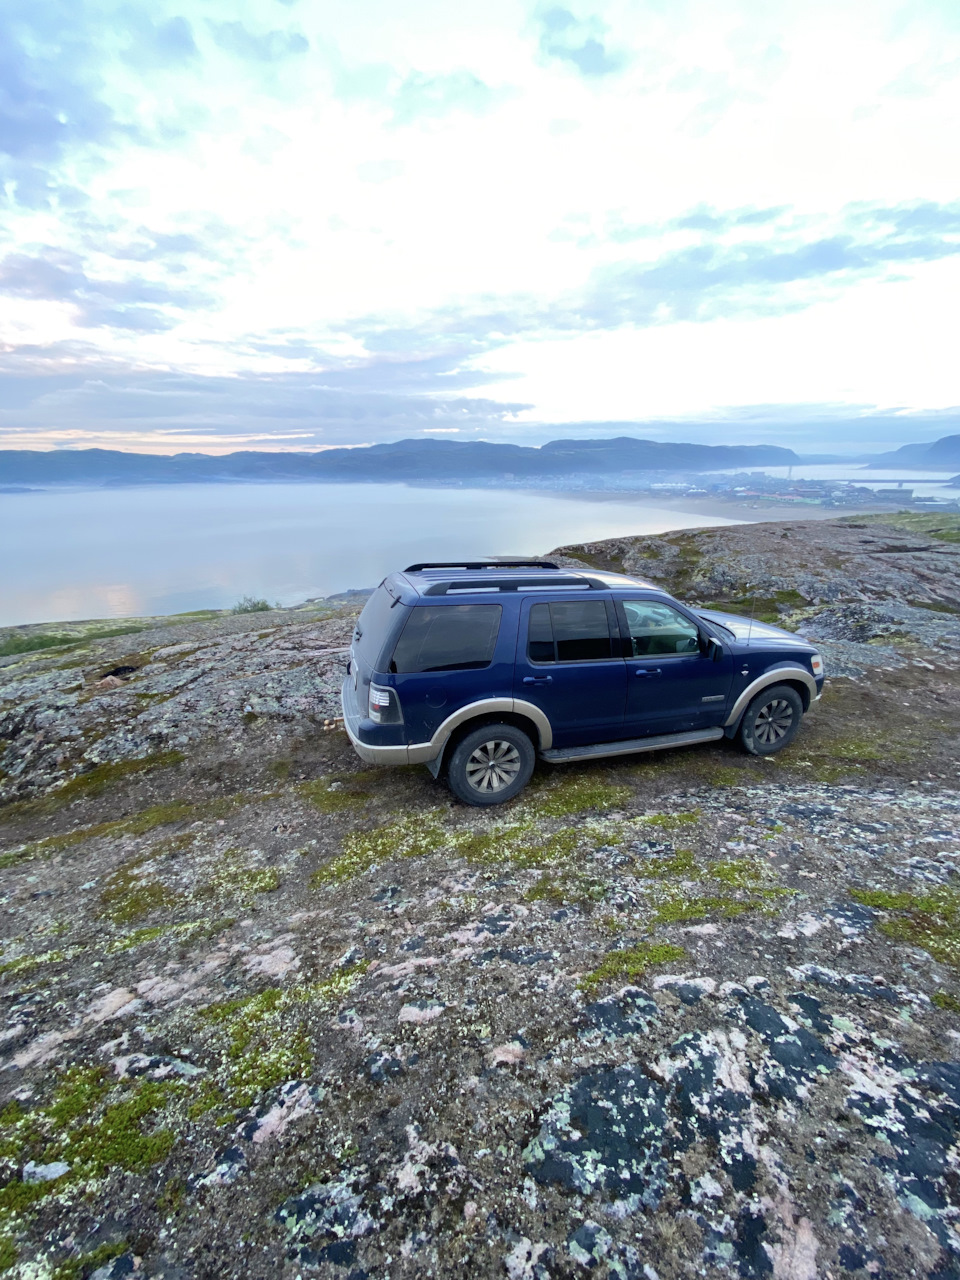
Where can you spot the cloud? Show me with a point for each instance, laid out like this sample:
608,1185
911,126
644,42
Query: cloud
421,96
168,44
55,275
265,406
45,105
565,38
768,275
266,46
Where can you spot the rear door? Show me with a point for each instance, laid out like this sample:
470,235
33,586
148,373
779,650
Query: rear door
672,684
568,665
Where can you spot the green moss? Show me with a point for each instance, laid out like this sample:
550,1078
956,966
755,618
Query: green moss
92,783
135,939
9,1253
409,837
330,795
929,921
17,1197
25,964
681,863
630,964
117,1139
574,794
129,898
944,1000
671,821
263,1040
680,910
234,880
80,1090
83,1266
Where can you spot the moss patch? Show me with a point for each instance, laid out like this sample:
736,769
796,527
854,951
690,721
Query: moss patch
944,1000
85,1264
262,1040
331,795
574,794
630,963
92,783
129,897
929,921
409,837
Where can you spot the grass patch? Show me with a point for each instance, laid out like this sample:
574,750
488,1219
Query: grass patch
929,921
944,1000
8,1254
630,964
769,608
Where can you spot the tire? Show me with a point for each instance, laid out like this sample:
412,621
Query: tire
771,721
490,765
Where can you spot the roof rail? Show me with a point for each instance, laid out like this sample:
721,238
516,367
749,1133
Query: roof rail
458,586
505,563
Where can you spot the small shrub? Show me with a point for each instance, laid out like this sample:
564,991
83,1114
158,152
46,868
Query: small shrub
251,604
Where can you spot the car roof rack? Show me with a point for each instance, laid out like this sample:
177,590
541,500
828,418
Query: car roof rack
505,563
464,586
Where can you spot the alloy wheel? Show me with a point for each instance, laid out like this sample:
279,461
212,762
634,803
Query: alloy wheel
773,722
493,765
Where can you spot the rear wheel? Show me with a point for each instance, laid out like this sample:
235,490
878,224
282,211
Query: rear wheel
490,765
771,720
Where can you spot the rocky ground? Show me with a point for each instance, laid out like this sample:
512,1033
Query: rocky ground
270,1013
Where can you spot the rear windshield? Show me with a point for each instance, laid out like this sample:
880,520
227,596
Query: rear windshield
450,637
379,622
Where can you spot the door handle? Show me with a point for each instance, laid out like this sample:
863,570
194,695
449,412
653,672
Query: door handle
646,671
538,679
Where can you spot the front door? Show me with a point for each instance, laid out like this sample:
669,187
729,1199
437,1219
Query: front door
568,665
672,684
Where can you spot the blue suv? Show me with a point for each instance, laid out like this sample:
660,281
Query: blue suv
475,669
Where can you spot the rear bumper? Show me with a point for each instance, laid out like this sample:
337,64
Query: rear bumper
415,753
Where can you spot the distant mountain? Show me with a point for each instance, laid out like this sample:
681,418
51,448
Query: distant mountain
941,455
402,460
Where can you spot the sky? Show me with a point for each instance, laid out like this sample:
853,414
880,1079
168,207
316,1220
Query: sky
284,224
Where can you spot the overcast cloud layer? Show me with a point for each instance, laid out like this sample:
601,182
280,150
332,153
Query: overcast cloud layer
281,224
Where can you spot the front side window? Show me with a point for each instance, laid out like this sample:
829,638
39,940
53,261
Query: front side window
655,629
451,637
569,631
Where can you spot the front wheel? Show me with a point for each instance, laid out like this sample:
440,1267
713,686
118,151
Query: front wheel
771,720
490,765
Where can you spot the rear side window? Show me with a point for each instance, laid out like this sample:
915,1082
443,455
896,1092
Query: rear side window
569,631
379,622
451,637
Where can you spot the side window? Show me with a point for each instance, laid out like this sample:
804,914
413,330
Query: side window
569,631
656,628
451,637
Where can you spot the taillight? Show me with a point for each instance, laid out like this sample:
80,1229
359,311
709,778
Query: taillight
383,706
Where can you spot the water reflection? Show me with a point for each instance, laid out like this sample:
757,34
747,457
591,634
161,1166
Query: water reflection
154,550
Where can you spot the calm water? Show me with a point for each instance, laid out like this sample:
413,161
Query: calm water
125,552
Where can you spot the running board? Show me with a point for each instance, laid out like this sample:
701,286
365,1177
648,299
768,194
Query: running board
660,743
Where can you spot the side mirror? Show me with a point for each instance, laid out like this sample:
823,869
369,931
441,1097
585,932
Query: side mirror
711,648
